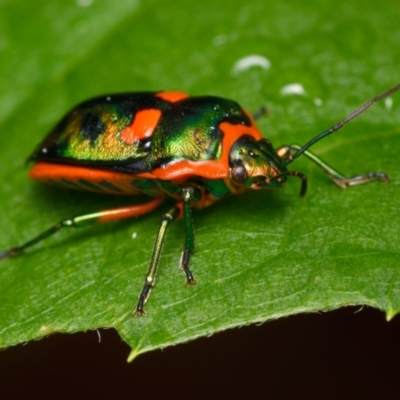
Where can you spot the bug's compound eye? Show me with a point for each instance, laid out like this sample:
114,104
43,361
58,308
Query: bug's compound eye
239,173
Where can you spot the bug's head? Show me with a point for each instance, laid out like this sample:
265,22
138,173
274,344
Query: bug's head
254,164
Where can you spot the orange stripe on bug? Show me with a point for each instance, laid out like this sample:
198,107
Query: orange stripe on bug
172,97
101,181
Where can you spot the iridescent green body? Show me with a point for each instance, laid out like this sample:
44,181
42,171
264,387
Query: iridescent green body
140,133
92,133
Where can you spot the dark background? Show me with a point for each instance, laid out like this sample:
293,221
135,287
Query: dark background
352,353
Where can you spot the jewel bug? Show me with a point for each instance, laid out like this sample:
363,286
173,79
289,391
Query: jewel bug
167,144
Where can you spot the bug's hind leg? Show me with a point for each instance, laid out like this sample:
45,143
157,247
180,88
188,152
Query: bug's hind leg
86,219
342,181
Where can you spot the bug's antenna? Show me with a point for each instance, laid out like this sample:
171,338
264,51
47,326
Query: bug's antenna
340,124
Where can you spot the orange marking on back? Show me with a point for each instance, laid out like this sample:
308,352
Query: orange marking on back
212,169
184,169
142,126
172,97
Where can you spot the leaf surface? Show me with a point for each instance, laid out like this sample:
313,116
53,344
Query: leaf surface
259,256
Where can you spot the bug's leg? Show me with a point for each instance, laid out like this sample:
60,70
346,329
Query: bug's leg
263,110
187,195
83,220
285,152
151,274
166,219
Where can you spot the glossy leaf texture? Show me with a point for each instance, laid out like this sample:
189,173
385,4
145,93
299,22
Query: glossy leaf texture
259,256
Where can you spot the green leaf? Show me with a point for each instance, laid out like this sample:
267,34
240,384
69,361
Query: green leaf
259,256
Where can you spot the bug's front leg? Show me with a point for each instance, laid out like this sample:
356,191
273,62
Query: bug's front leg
166,219
342,181
151,274
187,195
